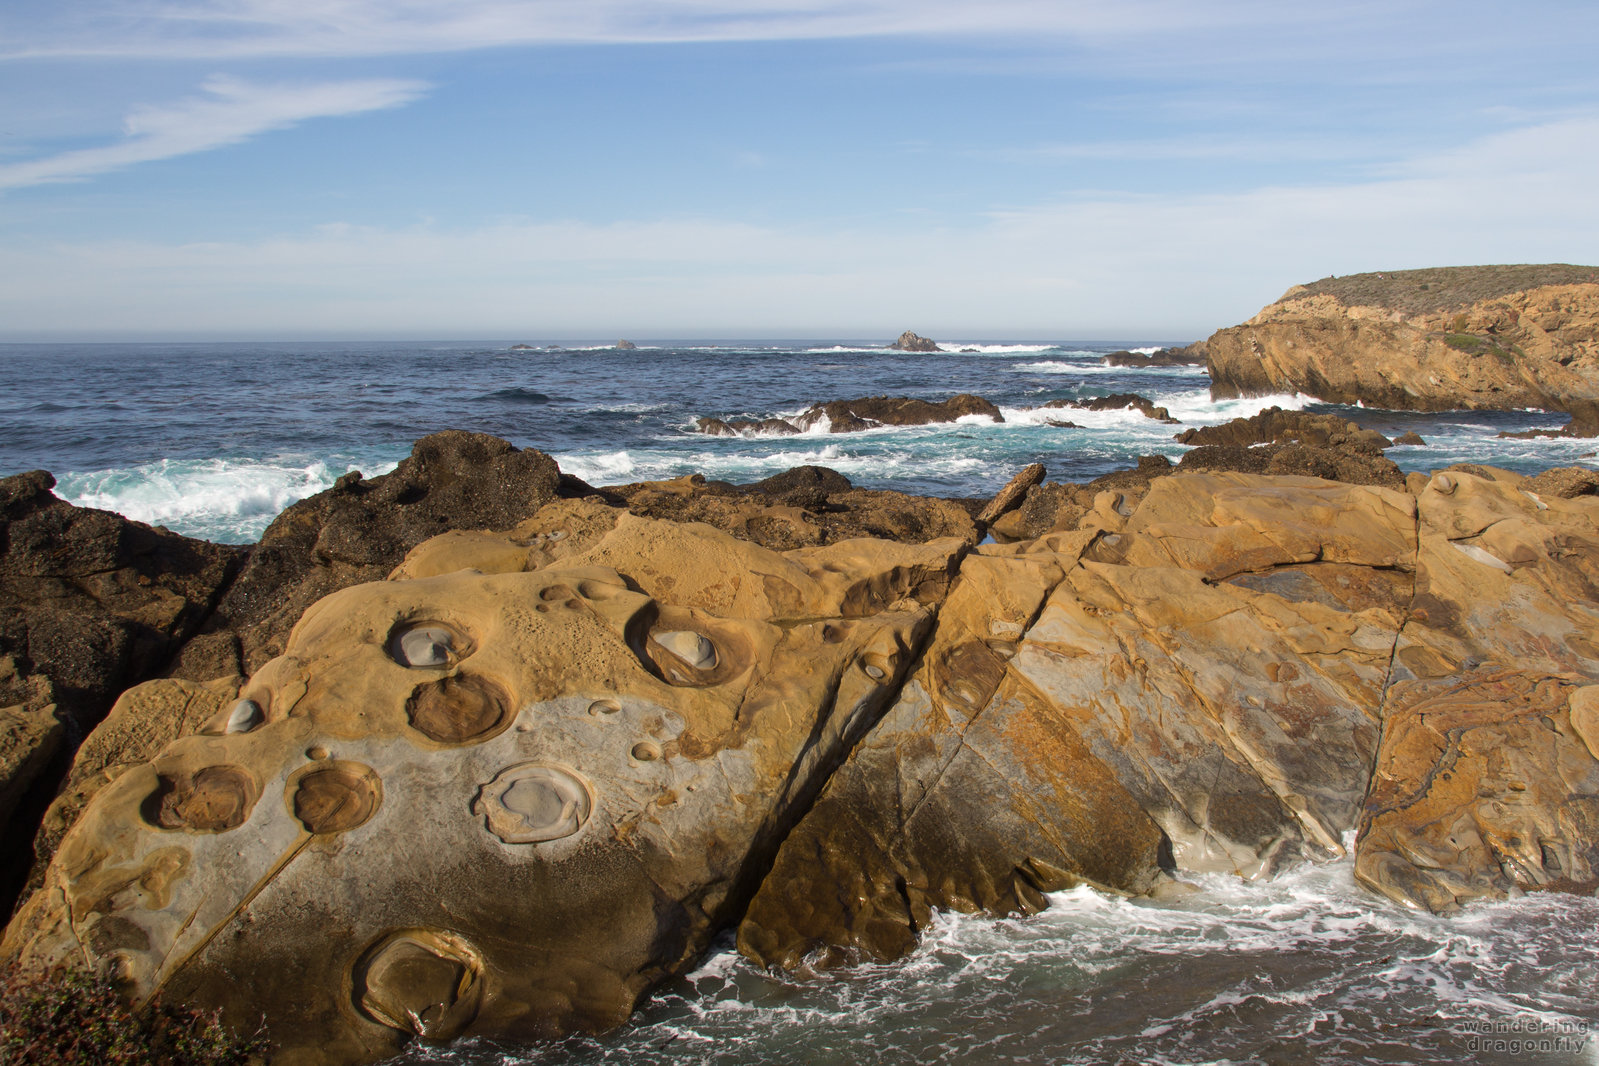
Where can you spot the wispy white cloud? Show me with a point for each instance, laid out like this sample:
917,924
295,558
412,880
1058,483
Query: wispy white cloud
228,111
1152,264
238,28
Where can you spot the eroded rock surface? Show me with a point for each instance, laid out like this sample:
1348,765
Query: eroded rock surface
1487,781
490,802
1193,684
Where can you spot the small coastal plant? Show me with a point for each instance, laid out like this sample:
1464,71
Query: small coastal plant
71,1017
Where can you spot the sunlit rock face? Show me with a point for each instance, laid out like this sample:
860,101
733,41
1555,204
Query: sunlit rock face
490,803
1190,686
1487,782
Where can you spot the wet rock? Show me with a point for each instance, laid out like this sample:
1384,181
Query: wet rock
911,342
870,412
499,804
1276,426
744,427
1191,355
1123,401
360,530
1411,438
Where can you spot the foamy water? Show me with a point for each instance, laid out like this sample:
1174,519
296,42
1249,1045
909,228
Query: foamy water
1306,968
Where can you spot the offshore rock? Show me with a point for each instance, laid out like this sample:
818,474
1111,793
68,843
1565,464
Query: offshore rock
870,412
1276,426
358,531
1487,781
501,804
1192,685
911,342
1125,401
1495,337
1191,355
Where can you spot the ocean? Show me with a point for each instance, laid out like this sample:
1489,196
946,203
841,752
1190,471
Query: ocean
214,440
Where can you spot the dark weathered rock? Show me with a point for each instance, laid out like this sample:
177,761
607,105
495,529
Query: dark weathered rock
1012,494
1276,426
1125,401
850,416
358,531
911,342
740,427
1191,355
1410,438
90,603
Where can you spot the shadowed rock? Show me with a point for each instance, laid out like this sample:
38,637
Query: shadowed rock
358,531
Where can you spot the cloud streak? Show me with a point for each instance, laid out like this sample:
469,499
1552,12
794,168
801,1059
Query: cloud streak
250,28
228,111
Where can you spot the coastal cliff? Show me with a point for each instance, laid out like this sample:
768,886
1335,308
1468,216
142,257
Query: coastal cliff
1494,337
533,770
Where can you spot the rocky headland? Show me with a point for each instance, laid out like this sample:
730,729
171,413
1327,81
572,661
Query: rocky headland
1492,337
474,748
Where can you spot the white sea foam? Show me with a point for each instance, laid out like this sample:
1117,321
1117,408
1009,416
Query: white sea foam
227,500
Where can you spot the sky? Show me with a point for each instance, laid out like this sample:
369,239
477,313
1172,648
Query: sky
547,170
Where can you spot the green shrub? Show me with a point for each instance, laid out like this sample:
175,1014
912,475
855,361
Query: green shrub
69,1017
1463,342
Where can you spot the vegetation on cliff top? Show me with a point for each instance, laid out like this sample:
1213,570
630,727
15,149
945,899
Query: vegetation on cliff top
1437,289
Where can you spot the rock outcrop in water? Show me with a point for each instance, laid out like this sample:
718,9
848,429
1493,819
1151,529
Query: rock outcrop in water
533,772
1190,355
1426,340
911,342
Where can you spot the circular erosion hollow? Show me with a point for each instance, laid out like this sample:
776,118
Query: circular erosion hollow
462,709
427,645
336,797
533,802
421,982
210,800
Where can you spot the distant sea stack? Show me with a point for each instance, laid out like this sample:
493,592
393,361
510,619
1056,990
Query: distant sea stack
1481,338
626,346
912,342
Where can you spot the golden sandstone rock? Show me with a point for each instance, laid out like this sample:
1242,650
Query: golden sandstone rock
530,776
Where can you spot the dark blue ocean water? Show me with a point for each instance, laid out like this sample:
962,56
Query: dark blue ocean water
213,440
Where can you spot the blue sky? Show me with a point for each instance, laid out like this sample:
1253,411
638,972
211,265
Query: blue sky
569,169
